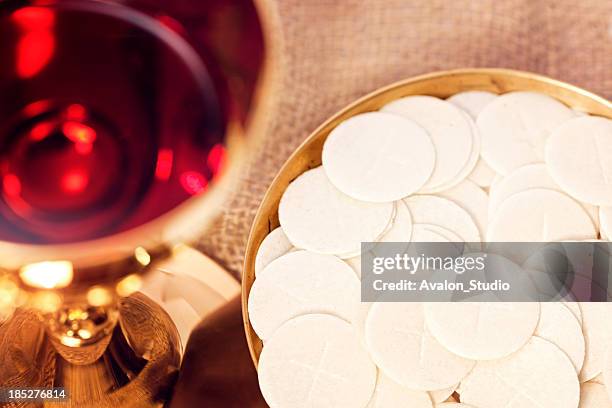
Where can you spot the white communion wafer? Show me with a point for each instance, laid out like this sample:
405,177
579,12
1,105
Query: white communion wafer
274,245
428,209
540,215
593,395
316,361
472,102
514,128
451,133
439,396
389,394
578,155
597,329
559,326
472,199
302,282
482,330
607,371
525,178
378,156
537,376
405,351
317,216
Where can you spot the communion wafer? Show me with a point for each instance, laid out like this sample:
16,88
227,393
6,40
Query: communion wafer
523,355
404,350
593,395
429,209
389,394
578,157
514,128
597,329
540,215
316,361
482,330
472,199
538,375
378,157
450,132
298,283
525,178
274,245
472,102
317,216
559,326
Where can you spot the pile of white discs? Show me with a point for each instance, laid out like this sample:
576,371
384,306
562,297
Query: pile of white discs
477,167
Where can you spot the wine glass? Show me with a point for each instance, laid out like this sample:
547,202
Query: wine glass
118,142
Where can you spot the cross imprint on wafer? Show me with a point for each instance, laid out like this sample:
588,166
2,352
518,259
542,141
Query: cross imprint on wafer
318,371
517,392
422,335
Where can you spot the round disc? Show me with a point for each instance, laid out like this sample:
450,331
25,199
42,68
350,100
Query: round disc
302,282
316,361
525,178
274,245
514,128
540,215
539,375
428,209
578,157
317,216
378,157
450,131
482,330
405,350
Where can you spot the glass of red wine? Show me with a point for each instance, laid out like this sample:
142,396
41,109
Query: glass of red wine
118,140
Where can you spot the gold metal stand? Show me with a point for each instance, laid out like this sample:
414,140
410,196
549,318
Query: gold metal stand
137,369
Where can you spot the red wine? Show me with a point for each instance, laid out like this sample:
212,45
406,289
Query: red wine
108,119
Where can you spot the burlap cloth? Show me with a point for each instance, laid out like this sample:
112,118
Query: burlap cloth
322,54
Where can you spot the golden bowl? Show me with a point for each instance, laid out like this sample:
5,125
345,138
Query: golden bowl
441,84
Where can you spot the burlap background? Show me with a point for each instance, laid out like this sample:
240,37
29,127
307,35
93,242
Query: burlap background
325,53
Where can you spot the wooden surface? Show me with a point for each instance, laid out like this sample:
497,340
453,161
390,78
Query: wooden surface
441,84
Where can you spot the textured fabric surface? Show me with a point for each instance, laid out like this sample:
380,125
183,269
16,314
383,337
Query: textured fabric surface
326,53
